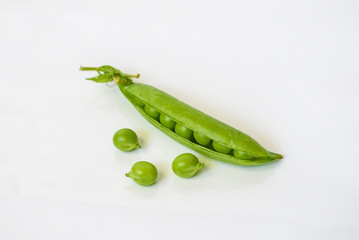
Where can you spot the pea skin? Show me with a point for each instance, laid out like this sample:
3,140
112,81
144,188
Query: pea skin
143,173
125,140
186,165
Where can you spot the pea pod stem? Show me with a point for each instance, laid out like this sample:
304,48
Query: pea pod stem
115,74
88,68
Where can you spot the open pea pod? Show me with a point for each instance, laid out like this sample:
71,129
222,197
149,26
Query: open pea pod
185,124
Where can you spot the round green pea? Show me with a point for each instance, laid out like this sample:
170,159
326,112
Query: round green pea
186,165
219,147
242,155
143,173
126,140
167,122
152,112
183,131
201,139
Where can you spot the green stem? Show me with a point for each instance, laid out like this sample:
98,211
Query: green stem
108,74
200,165
130,76
88,68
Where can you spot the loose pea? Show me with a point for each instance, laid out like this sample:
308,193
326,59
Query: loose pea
167,122
152,112
242,155
126,140
219,147
201,139
183,131
143,173
186,165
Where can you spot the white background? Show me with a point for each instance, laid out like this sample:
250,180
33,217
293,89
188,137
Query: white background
285,72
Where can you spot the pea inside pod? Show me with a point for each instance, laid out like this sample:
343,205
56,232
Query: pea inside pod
183,131
152,112
201,139
167,122
219,147
242,155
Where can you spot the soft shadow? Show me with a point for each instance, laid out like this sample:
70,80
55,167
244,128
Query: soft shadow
219,176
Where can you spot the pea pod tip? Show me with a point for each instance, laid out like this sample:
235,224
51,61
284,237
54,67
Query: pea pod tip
276,155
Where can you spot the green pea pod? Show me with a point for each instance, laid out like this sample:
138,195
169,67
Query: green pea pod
142,95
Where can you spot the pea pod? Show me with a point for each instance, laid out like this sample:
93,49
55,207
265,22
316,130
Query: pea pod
151,103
